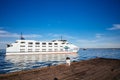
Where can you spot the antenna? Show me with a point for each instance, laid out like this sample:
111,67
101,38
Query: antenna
61,38
21,37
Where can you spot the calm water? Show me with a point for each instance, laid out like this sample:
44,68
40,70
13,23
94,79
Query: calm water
25,62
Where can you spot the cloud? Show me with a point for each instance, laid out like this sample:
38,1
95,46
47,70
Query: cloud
3,32
97,44
115,27
104,42
32,36
64,36
86,41
54,35
6,34
3,42
99,35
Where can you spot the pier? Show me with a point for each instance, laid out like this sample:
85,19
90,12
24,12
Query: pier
94,69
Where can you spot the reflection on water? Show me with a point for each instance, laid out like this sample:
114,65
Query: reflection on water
38,58
25,62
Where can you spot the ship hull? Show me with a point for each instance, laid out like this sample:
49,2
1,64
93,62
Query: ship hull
28,53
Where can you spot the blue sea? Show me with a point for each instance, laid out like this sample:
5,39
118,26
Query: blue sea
13,63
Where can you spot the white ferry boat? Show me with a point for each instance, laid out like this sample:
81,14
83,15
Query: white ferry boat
23,46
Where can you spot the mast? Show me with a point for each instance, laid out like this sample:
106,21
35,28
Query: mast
21,37
61,38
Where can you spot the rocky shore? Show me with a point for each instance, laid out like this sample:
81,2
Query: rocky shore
94,69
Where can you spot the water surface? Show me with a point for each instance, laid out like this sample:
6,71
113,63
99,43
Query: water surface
25,62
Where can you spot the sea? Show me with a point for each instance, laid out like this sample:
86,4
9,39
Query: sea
14,63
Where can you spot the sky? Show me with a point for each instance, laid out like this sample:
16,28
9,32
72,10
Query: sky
85,23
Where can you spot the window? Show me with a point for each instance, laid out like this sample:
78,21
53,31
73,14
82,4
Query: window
36,50
55,46
22,45
37,43
63,43
61,49
50,43
55,43
43,46
50,46
43,43
8,45
22,50
50,50
67,43
29,50
37,46
30,43
43,50
56,49
22,42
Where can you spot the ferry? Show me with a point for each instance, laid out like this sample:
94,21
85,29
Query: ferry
23,46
